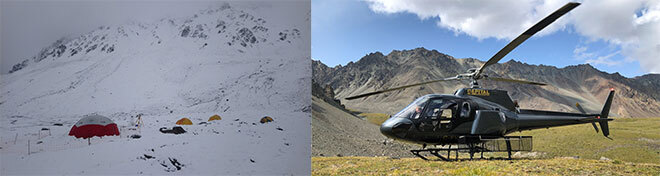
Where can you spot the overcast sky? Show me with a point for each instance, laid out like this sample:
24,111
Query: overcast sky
27,26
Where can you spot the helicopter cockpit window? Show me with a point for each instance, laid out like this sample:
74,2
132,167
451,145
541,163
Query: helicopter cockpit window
440,109
414,110
447,113
439,113
434,108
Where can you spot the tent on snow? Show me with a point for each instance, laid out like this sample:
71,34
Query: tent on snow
94,125
215,117
184,121
266,119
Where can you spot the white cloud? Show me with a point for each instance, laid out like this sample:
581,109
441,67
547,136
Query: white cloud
604,60
613,21
579,50
502,19
580,53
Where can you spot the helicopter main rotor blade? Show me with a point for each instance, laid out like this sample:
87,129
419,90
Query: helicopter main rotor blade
527,34
397,88
516,81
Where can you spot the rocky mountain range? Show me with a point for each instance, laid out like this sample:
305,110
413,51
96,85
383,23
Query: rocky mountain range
241,61
223,27
584,84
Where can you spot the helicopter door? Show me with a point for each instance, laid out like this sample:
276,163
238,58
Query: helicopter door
438,116
445,118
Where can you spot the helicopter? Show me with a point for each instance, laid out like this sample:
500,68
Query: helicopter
476,119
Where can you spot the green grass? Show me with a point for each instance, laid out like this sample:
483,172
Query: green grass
414,166
634,150
375,118
633,140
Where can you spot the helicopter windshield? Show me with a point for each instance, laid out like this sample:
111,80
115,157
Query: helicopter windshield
414,110
439,108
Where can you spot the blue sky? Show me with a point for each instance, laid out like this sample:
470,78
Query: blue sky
344,31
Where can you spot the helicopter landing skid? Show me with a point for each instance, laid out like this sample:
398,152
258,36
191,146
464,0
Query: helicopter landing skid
472,149
433,152
480,144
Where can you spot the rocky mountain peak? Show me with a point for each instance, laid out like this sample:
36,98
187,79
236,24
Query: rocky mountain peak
222,27
577,83
371,58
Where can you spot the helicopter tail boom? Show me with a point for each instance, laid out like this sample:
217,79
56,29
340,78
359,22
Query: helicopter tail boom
534,119
602,119
577,105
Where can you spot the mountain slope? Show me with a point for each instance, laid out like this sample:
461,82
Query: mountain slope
337,132
236,61
635,97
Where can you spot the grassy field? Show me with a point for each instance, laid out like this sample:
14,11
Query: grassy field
634,149
375,118
414,166
633,140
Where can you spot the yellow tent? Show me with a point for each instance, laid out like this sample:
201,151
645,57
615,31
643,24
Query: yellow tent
184,121
266,119
215,117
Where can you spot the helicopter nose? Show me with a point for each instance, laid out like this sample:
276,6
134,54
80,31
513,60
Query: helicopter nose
395,127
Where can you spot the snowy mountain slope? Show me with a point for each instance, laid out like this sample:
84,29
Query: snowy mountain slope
240,61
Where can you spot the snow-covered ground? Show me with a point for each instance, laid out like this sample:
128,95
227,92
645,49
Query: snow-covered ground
240,61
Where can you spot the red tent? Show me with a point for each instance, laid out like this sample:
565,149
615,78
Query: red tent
94,125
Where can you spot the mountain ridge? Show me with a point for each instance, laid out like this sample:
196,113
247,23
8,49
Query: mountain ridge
214,37
584,84
227,62
224,26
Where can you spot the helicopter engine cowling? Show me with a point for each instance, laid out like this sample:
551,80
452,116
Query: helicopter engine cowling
489,122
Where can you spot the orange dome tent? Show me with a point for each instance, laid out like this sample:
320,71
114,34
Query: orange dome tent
266,119
215,117
184,121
